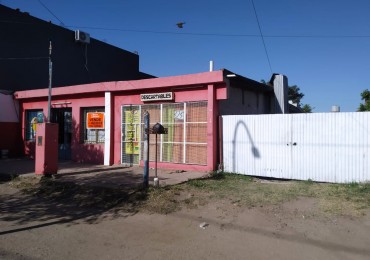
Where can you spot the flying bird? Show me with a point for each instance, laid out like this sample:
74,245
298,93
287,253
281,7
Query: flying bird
180,25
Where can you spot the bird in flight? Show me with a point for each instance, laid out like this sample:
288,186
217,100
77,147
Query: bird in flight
180,25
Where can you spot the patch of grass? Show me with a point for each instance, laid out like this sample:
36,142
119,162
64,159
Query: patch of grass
346,199
161,200
240,190
220,182
340,199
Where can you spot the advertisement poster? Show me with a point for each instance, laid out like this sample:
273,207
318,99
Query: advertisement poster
95,120
132,132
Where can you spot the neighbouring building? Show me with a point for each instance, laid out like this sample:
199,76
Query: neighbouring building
77,59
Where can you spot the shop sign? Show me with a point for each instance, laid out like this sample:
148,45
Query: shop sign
157,96
95,120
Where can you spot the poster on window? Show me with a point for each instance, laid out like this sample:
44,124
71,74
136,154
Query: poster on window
132,132
95,120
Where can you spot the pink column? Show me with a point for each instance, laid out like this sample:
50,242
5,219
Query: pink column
46,158
212,113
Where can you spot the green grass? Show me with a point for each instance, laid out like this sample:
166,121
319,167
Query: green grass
351,199
344,199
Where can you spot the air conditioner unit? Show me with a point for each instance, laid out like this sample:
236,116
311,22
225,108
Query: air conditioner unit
82,37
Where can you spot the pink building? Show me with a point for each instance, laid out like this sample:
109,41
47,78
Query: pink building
189,106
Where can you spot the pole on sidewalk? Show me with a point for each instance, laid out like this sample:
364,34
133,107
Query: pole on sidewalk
50,81
146,149
156,180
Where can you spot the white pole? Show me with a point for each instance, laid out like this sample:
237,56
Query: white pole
107,132
211,65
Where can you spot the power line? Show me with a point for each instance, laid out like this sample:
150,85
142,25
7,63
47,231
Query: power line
217,34
61,22
263,40
204,34
24,58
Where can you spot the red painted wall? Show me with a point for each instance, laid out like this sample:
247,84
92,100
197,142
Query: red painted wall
207,86
11,138
90,153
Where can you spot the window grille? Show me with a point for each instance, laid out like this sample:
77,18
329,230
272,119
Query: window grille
186,141
131,134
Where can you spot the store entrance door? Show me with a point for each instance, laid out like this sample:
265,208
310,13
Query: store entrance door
131,133
63,117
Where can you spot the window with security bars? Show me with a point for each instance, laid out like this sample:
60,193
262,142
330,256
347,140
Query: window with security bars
91,136
186,140
131,134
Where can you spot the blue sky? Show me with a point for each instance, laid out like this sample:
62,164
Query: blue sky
321,46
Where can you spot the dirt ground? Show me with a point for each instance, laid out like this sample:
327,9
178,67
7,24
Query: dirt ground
33,227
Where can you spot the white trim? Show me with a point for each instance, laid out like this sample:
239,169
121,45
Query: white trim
161,137
141,133
184,157
107,123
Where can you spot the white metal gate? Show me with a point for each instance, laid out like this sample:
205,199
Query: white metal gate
327,147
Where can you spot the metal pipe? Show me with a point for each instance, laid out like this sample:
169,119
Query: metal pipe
50,81
156,155
146,149
211,65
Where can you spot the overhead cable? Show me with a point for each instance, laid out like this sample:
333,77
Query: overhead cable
263,40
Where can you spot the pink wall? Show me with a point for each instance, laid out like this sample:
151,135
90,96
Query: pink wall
10,138
92,153
208,86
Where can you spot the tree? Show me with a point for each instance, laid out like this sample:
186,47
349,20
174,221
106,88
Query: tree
295,95
306,108
365,96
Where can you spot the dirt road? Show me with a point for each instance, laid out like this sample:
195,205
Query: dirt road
36,228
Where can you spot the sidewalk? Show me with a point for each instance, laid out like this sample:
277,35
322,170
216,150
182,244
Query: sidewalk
114,176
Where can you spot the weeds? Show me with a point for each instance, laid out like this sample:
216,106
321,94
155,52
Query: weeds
244,191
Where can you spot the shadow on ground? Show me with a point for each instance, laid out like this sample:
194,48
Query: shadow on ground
48,202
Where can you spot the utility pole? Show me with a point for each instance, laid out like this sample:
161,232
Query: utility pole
146,149
50,78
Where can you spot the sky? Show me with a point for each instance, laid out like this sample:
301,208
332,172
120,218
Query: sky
323,47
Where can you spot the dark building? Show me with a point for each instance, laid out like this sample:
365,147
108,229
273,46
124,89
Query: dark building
24,65
24,49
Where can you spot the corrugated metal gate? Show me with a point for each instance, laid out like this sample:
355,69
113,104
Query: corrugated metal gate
186,141
327,147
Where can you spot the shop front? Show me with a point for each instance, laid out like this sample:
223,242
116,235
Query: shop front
185,105
103,123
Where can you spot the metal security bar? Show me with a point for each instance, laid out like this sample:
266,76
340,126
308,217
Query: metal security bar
131,135
186,140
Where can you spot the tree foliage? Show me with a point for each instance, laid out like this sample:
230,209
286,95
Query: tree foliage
365,96
294,94
306,108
